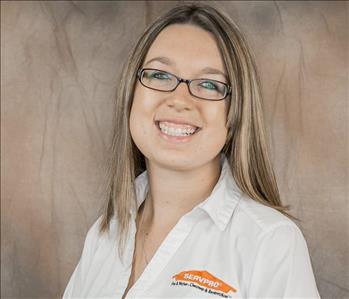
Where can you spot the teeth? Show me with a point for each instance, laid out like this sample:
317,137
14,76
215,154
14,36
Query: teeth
176,131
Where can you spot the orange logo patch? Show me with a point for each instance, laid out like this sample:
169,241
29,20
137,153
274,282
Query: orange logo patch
204,281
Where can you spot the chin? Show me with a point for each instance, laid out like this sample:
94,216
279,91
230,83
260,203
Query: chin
175,161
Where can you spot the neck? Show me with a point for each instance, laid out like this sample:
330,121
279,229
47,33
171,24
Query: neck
173,193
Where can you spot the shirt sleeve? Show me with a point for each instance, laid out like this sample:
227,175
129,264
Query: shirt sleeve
75,285
282,267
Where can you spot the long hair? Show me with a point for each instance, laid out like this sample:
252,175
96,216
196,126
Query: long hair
245,147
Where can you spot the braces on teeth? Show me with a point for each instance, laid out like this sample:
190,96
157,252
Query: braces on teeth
177,131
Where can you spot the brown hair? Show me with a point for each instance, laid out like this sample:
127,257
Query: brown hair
245,148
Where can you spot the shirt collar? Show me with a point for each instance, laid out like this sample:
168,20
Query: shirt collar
220,204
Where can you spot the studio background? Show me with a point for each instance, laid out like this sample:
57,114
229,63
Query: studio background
60,62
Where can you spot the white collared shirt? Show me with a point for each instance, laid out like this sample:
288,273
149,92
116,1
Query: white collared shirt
228,246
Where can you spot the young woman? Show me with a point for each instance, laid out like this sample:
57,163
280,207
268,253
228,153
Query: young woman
193,208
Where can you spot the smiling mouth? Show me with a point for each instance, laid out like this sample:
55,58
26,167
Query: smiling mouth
182,134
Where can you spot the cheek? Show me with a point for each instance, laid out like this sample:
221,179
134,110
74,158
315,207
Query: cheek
132,121
137,130
137,120
141,121
215,134
220,135
136,116
136,108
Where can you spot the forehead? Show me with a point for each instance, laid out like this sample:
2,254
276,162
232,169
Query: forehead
188,47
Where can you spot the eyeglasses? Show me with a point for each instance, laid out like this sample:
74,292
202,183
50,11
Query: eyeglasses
206,89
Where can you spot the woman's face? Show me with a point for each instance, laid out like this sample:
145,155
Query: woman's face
187,51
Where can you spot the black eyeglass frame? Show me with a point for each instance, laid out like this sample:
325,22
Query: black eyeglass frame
180,80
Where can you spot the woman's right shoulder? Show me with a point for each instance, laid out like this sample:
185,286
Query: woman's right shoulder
95,236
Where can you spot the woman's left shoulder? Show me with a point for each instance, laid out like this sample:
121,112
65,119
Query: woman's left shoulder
280,253
263,219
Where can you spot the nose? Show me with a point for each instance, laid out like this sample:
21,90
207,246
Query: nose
181,98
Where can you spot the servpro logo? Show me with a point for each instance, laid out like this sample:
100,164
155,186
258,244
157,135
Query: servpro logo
203,281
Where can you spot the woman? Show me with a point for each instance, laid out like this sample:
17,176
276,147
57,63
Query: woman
193,208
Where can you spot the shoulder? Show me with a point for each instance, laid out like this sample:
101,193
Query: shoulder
93,234
95,237
277,249
261,216
262,221
276,240
97,244
94,230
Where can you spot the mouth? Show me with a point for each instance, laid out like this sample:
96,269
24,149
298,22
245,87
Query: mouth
179,136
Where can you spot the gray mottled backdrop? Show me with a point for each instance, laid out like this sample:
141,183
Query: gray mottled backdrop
59,64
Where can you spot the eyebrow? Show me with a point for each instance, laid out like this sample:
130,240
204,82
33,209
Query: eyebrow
206,70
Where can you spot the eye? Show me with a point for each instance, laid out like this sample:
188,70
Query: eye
209,85
159,75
